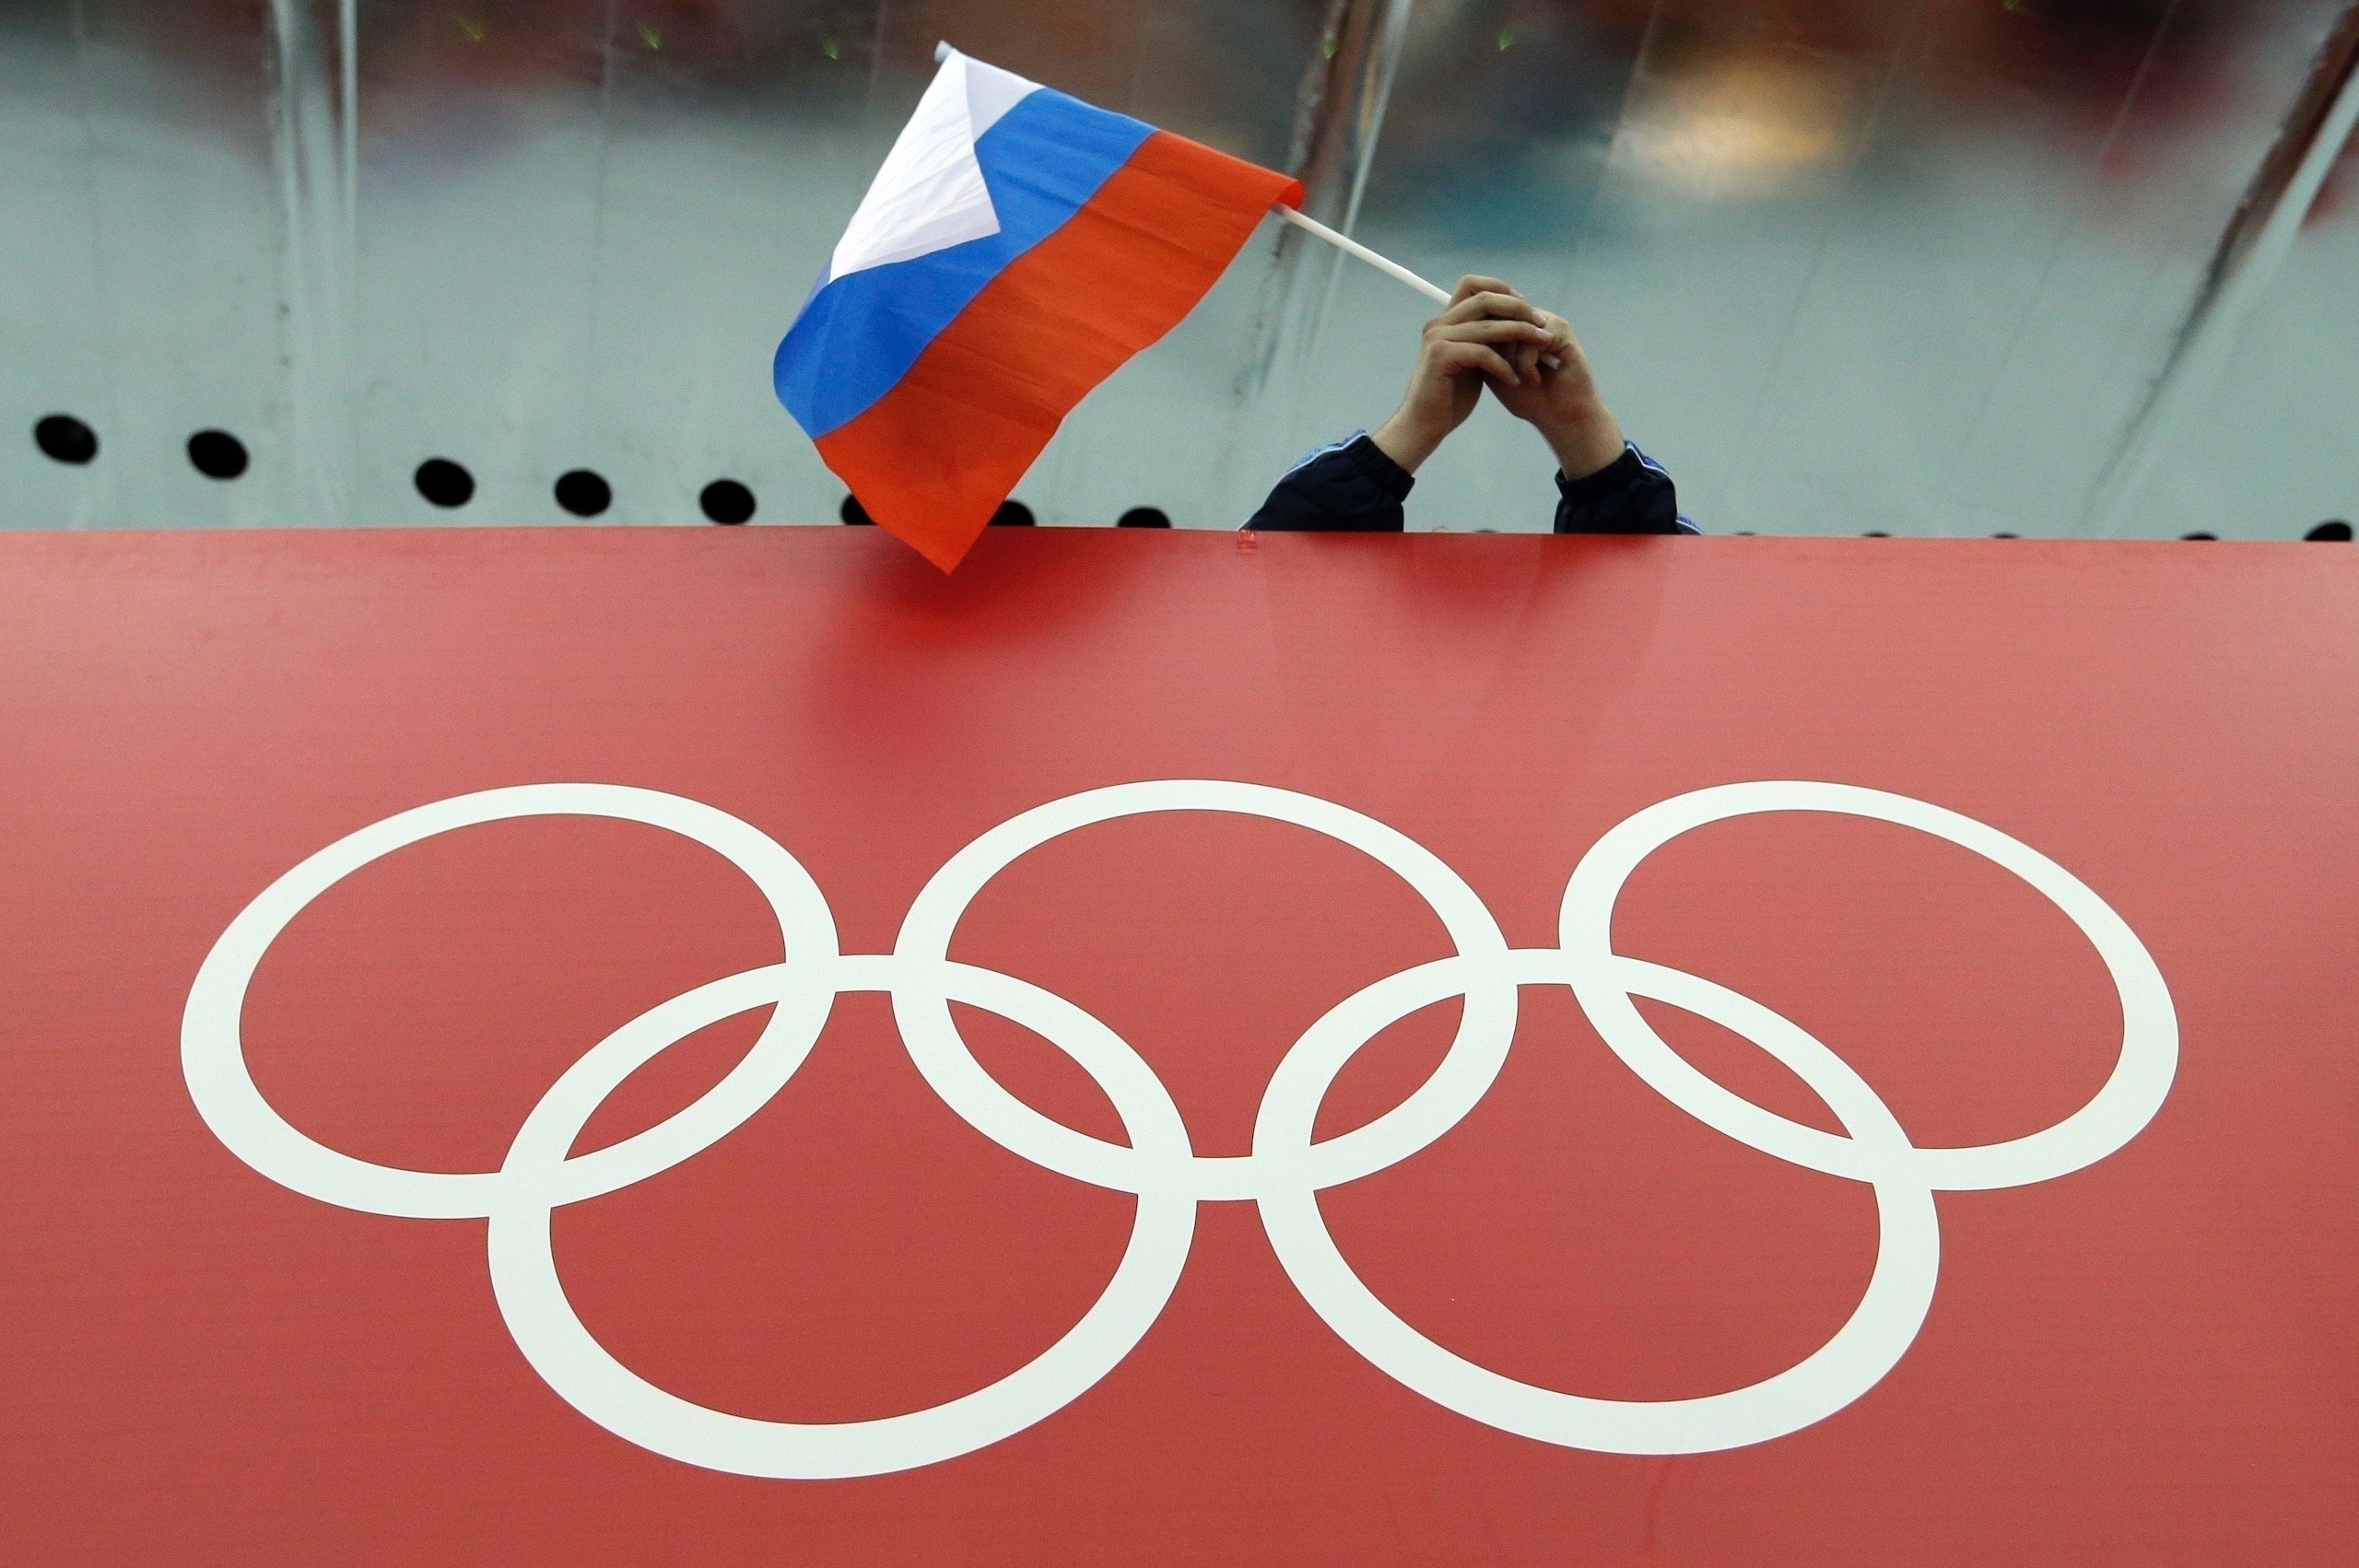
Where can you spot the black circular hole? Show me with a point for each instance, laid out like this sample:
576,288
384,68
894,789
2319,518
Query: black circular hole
2006,536
583,494
217,454
1144,517
854,514
725,500
2337,532
1875,533
1012,514
65,439
2197,535
445,482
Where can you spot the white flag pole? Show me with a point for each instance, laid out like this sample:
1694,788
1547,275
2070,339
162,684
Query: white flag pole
1384,264
1351,247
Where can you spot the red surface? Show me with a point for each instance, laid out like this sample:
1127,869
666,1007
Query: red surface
2151,1360
933,458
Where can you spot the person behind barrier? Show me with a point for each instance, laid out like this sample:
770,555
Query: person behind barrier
1489,336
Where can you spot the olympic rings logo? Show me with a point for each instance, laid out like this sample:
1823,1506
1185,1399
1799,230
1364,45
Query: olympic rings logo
1283,1175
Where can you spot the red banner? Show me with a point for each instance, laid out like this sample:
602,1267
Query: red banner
659,1046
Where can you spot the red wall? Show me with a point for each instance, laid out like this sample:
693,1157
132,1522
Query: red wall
2147,1359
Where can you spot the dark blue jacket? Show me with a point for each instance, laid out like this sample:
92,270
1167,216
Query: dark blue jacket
1351,488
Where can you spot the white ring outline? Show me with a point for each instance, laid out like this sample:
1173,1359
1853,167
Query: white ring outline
212,1057
2142,1073
587,1375
1486,1030
1878,1333
1283,1175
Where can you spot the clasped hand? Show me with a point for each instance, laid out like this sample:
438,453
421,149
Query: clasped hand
1528,358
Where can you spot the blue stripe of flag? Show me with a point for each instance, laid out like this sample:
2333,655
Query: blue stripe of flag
858,336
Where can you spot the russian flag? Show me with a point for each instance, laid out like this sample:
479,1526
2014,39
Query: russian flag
1015,250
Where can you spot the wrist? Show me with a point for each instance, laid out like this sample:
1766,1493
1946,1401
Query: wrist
1408,439
1587,439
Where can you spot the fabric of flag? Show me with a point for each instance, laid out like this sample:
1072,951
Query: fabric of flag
1018,247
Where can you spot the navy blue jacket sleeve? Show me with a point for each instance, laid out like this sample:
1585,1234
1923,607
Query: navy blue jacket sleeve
1351,488
1634,494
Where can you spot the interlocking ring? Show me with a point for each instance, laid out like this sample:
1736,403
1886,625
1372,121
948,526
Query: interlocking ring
1283,1175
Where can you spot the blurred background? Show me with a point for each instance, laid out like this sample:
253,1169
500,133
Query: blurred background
1950,267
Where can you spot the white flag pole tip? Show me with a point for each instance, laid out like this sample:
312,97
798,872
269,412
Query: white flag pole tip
1351,247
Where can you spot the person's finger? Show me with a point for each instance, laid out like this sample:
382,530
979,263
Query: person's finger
1475,283
1519,344
1476,357
1492,330
1492,305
